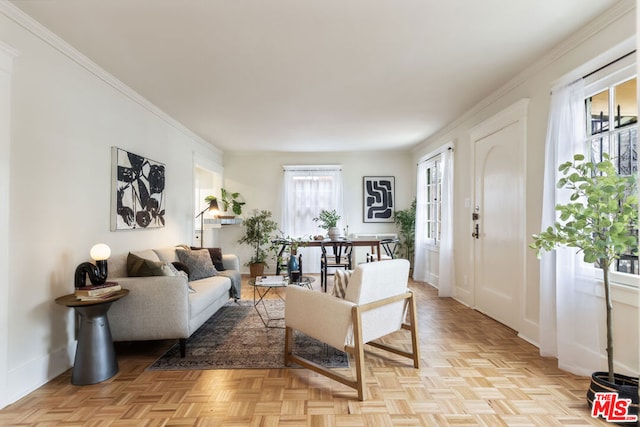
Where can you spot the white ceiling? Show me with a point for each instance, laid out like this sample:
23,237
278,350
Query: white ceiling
314,75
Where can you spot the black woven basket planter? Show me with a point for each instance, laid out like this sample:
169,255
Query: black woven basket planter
625,386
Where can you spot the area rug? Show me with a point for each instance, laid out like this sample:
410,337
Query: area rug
236,338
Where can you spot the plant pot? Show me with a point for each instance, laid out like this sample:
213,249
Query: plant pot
256,269
333,232
625,386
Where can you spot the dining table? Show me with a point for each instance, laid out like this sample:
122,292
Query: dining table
373,243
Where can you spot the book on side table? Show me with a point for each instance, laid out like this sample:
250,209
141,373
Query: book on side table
97,292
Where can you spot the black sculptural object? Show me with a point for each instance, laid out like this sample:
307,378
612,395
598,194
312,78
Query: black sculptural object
97,272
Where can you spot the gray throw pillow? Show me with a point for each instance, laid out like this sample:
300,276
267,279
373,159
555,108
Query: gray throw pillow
198,262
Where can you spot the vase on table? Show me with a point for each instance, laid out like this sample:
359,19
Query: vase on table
293,268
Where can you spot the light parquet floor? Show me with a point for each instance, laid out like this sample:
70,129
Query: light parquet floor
475,372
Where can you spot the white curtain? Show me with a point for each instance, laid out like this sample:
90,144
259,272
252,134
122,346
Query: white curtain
446,280
570,314
306,191
420,261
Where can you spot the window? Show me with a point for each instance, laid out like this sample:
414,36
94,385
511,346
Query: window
612,128
307,190
433,200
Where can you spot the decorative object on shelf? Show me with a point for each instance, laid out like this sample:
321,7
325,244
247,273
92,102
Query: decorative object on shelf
601,220
97,272
137,195
213,208
406,223
259,228
379,198
328,220
231,200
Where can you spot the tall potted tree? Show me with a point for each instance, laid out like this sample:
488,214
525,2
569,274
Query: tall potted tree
405,221
259,228
601,220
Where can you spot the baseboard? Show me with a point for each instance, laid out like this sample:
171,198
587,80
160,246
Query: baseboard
530,332
35,373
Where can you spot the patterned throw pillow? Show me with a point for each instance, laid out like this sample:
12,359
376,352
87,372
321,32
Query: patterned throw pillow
340,282
198,262
216,257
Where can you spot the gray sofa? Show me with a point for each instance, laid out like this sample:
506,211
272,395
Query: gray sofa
168,307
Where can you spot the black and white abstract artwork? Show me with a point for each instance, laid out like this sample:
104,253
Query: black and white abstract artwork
138,192
379,198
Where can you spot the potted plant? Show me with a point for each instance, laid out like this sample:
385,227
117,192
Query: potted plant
405,221
329,221
601,220
259,228
231,200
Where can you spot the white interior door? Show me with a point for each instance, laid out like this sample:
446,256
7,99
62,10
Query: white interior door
498,218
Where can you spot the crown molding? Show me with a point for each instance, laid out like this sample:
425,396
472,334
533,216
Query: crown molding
576,39
28,23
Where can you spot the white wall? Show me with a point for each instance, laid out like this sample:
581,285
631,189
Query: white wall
66,114
258,177
6,66
611,31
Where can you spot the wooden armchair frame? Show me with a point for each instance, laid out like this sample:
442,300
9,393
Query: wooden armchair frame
357,350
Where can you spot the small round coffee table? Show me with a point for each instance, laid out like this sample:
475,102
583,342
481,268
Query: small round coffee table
305,281
264,285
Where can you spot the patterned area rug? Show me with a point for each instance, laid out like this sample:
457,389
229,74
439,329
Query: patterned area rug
236,338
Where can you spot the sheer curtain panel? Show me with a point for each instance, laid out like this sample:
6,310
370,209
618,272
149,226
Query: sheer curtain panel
420,261
446,280
570,313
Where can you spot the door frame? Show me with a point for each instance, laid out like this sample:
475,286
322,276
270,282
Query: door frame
514,114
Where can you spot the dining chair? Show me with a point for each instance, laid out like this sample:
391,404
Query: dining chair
389,246
335,254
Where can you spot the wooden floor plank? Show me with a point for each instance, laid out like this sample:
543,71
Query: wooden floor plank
475,372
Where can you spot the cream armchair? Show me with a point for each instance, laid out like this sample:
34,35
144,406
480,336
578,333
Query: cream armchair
377,303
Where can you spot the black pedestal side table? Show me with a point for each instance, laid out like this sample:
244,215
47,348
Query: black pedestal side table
95,359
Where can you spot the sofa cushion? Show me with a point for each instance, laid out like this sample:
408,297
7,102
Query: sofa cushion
208,290
167,254
216,257
142,267
198,262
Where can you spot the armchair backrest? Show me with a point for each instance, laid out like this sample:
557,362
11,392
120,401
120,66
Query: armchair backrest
375,281
378,280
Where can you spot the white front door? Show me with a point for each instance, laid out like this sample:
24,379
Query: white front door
498,217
